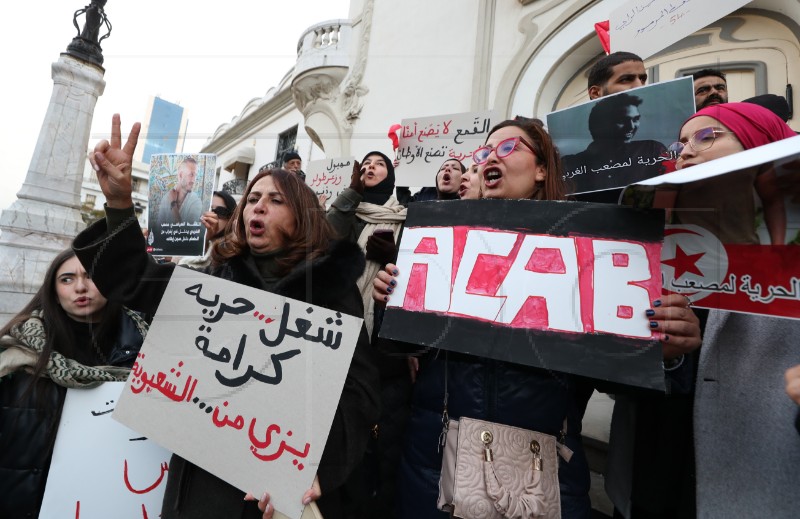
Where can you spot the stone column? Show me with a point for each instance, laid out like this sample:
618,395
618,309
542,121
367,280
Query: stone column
46,217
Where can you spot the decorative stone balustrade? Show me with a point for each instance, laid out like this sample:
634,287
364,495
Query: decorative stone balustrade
324,45
326,87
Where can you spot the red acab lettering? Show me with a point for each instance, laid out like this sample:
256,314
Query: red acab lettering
574,284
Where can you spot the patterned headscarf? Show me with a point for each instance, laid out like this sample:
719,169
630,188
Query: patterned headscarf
20,350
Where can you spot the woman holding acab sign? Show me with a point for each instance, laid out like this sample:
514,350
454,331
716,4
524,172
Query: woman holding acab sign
279,243
518,161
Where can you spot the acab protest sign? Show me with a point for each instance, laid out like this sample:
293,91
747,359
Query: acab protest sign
558,285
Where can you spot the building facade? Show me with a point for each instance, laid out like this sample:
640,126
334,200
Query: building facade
394,60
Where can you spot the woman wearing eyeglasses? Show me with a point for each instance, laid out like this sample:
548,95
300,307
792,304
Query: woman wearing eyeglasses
518,161
743,420
718,131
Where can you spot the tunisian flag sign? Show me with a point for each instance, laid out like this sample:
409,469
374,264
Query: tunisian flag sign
557,285
734,239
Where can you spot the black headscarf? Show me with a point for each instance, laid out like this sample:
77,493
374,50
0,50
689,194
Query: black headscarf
380,193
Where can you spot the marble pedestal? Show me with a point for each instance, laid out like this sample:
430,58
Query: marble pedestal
46,215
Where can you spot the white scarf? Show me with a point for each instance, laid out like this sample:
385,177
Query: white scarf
390,215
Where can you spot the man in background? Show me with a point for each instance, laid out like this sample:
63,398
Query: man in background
292,162
617,72
650,471
710,88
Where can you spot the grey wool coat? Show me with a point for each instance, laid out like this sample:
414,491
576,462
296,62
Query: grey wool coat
747,447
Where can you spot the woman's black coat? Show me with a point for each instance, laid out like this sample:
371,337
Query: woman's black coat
29,420
123,271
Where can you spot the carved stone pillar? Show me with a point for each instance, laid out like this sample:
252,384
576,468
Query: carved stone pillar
45,217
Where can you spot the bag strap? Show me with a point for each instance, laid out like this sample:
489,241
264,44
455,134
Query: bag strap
445,414
561,445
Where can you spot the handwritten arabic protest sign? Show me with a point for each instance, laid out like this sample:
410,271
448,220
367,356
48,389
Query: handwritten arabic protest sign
426,142
622,138
181,186
735,244
241,382
558,285
100,465
329,177
648,26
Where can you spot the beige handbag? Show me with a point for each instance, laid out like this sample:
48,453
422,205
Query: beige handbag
494,471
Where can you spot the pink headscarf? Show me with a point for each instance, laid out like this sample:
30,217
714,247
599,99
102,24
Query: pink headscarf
753,125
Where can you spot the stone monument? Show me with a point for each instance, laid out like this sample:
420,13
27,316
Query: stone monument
46,215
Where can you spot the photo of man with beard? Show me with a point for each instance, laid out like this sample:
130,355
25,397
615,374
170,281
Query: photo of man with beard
613,159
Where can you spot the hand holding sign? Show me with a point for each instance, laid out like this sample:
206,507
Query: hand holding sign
680,327
384,283
793,383
312,494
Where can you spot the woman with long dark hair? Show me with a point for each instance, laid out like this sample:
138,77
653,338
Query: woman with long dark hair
67,336
518,161
279,241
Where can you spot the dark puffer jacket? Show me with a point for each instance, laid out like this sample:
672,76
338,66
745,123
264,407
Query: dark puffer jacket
327,281
28,427
495,391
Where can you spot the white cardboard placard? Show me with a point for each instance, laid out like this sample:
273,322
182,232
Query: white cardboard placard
329,177
426,142
648,26
242,383
100,465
